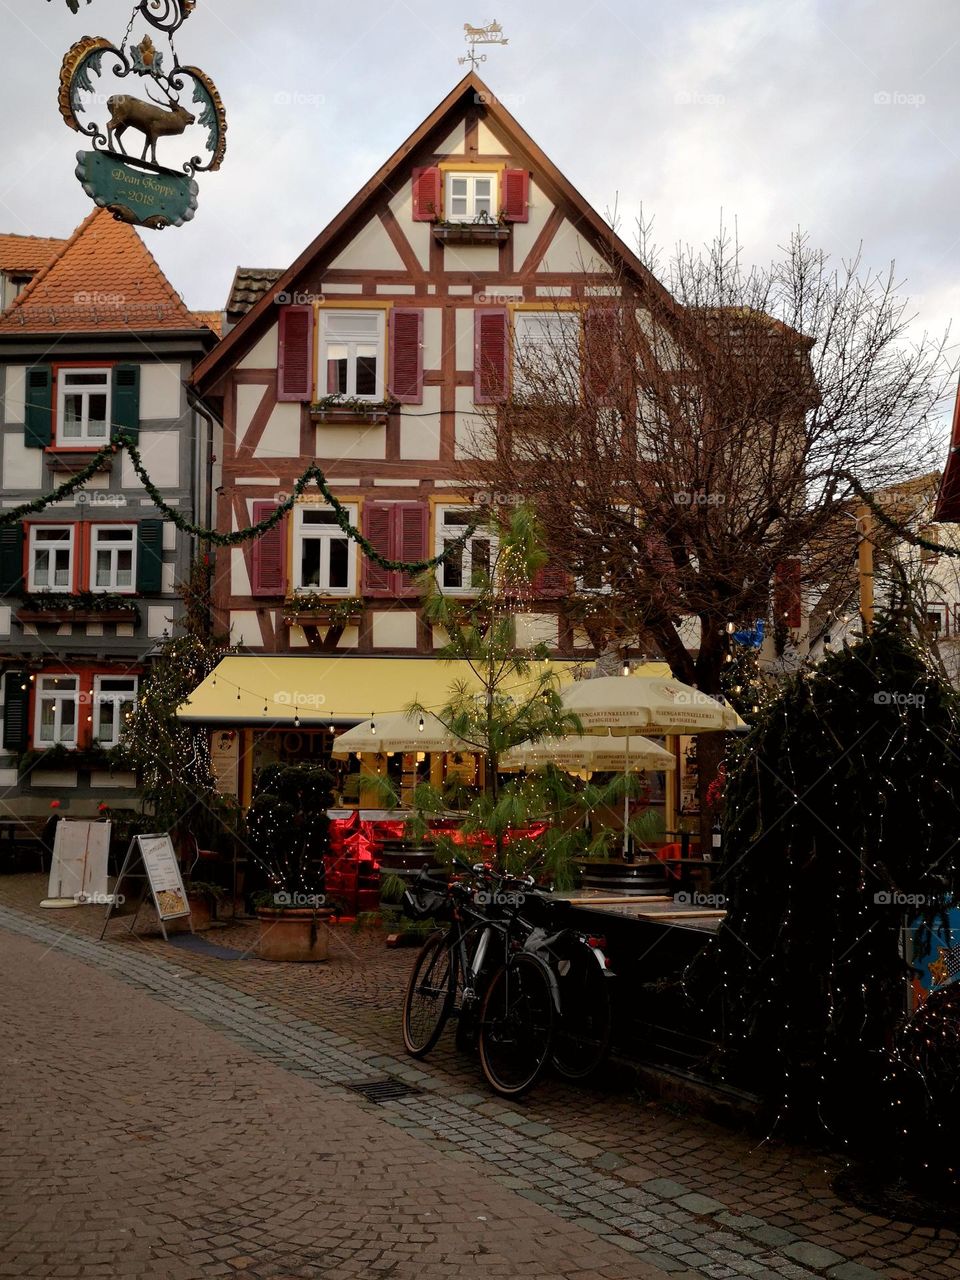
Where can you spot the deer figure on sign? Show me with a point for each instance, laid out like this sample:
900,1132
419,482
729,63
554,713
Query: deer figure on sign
153,119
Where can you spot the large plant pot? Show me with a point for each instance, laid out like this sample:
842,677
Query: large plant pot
295,936
202,910
614,876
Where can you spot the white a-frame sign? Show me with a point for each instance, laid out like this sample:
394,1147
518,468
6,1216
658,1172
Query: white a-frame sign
150,865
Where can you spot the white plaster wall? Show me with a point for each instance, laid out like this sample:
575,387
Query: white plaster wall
161,457
14,393
239,577
418,233
471,257
245,629
103,778
281,437
5,616
464,347
456,143
537,628
169,536
488,142
344,443
394,630
248,402
371,249
432,339
160,391
471,427
159,620
22,467
350,638
264,354
420,436
58,778
525,233
568,251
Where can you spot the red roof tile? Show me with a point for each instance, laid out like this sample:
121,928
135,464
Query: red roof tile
104,278
27,253
212,319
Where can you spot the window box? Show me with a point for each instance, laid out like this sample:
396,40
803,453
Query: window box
470,233
86,606
307,610
68,460
355,412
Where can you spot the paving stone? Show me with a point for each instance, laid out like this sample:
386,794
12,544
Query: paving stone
853,1271
700,1204
666,1189
812,1255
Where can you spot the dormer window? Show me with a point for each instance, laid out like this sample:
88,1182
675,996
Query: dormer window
469,197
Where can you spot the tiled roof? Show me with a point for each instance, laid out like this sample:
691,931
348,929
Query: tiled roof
212,319
104,278
27,253
249,286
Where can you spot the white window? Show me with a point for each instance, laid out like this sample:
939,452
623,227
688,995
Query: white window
547,355
469,197
114,702
325,558
58,698
113,557
51,557
83,406
471,563
352,354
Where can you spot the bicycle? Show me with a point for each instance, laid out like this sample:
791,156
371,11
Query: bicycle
515,991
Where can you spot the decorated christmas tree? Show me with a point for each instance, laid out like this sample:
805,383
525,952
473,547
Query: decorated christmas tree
841,827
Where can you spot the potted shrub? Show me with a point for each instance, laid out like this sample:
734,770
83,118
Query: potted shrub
288,839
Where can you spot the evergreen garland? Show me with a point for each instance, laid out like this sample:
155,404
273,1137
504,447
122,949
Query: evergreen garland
122,441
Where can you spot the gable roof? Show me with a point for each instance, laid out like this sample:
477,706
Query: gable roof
466,94
27,253
103,279
249,286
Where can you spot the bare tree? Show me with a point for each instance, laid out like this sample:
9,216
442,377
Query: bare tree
688,449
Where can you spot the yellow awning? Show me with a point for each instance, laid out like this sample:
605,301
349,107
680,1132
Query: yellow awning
330,689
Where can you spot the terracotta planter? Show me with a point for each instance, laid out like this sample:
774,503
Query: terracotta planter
294,936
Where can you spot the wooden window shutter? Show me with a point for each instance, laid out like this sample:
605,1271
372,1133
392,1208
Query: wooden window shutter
787,600
550,582
426,194
406,355
378,527
16,712
11,559
150,557
125,411
38,417
411,530
295,373
516,195
491,348
602,342
268,554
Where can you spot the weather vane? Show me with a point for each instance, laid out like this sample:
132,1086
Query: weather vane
138,189
492,33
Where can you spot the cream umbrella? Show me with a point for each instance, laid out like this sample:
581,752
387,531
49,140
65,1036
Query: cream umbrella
628,705
599,753
399,731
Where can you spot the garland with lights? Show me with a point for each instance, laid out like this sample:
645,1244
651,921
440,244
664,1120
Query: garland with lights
842,799
124,442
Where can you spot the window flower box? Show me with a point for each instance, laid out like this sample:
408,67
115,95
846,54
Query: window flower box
470,233
313,610
336,410
87,606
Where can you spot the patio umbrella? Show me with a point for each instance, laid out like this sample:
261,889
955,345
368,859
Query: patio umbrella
602,754
629,705
399,731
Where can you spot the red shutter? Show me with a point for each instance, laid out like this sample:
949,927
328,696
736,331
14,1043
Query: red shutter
378,529
550,583
295,378
491,348
602,326
268,554
516,195
787,601
426,195
406,355
410,541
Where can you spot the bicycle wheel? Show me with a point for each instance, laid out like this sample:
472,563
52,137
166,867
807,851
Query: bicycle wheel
516,1025
582,1038
430,994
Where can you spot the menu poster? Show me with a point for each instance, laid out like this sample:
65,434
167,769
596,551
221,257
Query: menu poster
150,865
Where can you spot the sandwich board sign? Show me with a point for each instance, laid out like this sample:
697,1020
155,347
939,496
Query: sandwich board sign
150,866
78,869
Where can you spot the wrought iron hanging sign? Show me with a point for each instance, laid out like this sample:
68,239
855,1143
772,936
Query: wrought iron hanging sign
139,189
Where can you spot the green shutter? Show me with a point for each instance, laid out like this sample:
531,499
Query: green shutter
150,557
16,712
11,559
126,399
38,418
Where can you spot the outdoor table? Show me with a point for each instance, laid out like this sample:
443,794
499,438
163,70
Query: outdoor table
16,835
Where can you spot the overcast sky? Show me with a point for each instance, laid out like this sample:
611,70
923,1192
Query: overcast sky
838,116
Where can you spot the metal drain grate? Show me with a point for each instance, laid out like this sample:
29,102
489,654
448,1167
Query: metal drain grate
388,1090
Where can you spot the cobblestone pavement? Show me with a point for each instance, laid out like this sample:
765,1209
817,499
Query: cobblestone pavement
680,1195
